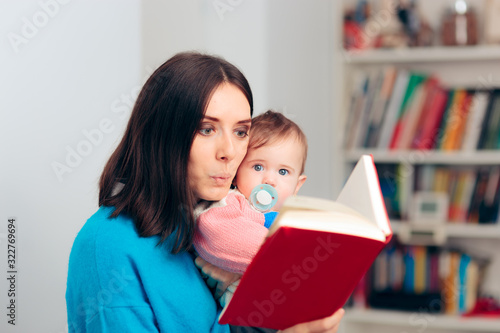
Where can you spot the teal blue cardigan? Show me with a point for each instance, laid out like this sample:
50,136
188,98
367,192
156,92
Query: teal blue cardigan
120,282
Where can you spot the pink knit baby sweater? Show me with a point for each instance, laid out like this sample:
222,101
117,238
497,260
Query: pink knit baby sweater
229,232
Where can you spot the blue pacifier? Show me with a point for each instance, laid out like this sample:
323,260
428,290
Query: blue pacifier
263,197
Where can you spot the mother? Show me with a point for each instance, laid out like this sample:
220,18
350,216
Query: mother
130,268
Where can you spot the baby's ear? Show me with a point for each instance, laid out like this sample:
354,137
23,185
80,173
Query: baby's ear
300,182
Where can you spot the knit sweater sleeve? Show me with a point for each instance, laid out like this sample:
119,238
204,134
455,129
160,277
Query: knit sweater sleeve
230,234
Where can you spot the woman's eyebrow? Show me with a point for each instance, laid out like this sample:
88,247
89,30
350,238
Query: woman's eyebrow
249,120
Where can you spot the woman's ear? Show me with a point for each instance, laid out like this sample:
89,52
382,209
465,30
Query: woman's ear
300,182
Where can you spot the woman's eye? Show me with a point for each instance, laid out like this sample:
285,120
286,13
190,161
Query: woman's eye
206,131
283,172
241,134
258,167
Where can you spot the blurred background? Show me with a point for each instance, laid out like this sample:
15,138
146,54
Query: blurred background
70,71
69,74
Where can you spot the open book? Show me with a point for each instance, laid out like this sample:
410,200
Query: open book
316,252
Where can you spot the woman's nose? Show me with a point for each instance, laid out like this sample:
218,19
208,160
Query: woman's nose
225,148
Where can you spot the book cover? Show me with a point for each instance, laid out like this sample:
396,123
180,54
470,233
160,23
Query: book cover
493,125
483,137
457,120
427,132
358,100
373,87
464,115
316,253
408,120
380,107
473,127
444,119
452,120
414,84
479,191
391,114
419,113
469,178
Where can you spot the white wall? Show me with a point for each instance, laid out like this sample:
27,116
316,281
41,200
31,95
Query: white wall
299,78
58,79
283,47
236,30
81,67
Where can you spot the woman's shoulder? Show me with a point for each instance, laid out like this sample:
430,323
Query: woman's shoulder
101,226
111,237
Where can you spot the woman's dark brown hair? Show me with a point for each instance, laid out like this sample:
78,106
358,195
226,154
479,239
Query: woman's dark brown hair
152,158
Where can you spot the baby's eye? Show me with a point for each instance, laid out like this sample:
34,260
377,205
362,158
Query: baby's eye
283,172
206,131
258,167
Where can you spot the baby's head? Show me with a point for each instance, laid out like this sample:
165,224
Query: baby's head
276,155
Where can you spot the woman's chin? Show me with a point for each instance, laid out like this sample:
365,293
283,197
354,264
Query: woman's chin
215,195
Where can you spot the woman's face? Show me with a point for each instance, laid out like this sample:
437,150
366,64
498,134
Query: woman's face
220,144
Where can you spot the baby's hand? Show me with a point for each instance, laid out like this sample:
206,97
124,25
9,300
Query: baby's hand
216,277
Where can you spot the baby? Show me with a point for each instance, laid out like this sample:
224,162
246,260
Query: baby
230,232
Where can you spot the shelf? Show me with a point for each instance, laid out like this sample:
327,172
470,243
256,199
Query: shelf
455,230
485,157
423,54
433,321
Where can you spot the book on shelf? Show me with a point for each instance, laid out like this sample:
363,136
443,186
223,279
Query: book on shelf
454,124
475,120
403,109
358,100
430,119
295,276
418,115
388,178
371,90
490,138
412,99
391,114
473,191
426,278
380,102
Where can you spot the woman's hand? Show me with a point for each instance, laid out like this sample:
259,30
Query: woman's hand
217,277
325,325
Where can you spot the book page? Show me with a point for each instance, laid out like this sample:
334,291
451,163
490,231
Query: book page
362,193
337,222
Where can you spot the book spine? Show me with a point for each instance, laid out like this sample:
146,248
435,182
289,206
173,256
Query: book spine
390,119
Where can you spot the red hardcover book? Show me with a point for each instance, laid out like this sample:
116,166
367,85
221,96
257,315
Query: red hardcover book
426,138
316,253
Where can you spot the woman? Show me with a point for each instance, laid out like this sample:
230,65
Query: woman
130,268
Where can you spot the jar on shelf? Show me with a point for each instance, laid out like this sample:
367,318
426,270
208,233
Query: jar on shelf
459,26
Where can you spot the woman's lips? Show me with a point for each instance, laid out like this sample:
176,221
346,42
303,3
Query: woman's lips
222,179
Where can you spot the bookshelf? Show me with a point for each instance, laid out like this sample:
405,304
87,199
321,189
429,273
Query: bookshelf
471,67
397,321
418,157
431,54
461,231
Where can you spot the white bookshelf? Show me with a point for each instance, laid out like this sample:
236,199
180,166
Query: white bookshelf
462,230
418,321
468,67
423,55
418,157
